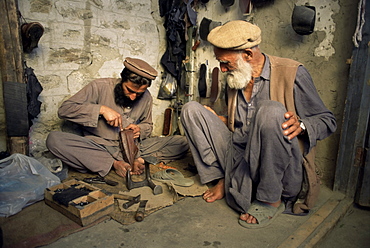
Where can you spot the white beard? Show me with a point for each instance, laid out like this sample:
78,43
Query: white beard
239,78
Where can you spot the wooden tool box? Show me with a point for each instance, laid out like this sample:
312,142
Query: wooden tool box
85,209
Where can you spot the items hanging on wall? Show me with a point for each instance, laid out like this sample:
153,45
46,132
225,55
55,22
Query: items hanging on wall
202,82
206,25
31,34
303,19
227,3
168,87
176,12
34,88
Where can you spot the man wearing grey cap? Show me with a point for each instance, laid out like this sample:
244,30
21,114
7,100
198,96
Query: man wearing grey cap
103,108
261,156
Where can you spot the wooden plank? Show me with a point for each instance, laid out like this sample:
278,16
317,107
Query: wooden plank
355,116
364,196
310,225
11,61
15,35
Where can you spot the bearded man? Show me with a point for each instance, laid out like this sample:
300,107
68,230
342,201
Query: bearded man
103,108
258,160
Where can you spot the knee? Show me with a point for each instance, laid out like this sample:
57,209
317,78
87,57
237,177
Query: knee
189,109
52,140
184,142
269,113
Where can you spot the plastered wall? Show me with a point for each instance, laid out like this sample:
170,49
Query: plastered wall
87,39
326,52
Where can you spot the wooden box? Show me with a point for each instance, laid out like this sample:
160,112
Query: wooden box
85,209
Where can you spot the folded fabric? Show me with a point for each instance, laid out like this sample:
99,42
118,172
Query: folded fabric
174,176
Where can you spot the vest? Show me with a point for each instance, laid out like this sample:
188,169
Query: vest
282,77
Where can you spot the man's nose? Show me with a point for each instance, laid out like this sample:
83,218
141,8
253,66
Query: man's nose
223,68
133,96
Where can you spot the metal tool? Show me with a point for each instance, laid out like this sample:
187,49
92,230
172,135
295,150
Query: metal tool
139,216
129,151
157,189
131,199
99,179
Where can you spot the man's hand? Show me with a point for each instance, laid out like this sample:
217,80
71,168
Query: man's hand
135,129
291,126
222,118
112,117
210,109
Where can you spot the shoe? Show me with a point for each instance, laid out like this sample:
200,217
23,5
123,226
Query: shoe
215,90
174,176
31,34
227,3
264,213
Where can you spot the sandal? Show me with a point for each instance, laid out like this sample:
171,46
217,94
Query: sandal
174,176
264,213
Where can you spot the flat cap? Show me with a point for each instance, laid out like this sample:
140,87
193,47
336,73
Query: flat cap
235,35
140,68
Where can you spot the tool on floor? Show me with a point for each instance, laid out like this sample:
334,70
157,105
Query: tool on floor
129,150
131,199
139,216
100,179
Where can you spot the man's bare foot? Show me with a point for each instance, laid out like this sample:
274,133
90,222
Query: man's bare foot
138,167
251,220
121,167
215,193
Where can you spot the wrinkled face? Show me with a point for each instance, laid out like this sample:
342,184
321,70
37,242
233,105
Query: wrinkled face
239,72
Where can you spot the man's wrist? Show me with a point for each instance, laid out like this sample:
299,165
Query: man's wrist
302,126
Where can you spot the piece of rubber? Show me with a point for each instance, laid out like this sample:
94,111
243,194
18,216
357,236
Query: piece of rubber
174,176
264,213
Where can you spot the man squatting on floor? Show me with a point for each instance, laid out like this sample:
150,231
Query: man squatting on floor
103,108
254,154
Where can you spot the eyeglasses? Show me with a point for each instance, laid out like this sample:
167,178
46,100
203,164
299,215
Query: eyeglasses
131,91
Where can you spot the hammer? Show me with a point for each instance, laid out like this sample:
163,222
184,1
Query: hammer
139,216
131,199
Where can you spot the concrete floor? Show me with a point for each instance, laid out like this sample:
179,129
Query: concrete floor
192,222
352,230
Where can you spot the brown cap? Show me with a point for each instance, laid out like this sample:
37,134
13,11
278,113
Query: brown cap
140,68
235,35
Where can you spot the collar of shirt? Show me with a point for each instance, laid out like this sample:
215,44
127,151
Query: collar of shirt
265,74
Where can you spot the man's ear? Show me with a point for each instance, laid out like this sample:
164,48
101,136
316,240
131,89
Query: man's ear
247,54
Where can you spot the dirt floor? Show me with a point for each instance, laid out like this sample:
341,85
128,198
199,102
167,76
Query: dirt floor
189,222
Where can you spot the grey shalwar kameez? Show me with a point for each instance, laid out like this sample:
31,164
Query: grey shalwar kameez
98,147
256,160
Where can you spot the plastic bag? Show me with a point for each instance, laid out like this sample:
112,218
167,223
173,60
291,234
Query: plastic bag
22,182
168,88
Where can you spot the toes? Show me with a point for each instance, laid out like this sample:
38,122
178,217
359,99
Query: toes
251,220
207,195
244,217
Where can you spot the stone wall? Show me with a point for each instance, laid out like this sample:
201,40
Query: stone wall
84,40
87,39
